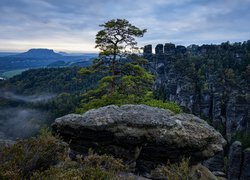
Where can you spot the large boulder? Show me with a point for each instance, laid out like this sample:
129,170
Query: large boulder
140,133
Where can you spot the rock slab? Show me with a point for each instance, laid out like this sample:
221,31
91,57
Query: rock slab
140,133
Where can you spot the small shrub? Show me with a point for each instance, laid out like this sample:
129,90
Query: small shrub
243,137
104,161
45,132
92,167
119,99
105,100
27,156
164,105
176,171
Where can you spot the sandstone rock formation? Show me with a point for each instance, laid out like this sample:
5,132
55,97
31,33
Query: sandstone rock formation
234,161
245,171
210,95
147,50
141,134
216,164
238,162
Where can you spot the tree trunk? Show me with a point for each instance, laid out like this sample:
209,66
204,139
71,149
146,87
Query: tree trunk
113,71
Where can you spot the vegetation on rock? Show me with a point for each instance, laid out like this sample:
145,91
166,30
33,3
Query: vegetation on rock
117,37
92,167
164,105
46,157
128,81
244,138
30,155
174,171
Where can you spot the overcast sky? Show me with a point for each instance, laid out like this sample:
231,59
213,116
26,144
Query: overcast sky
71,25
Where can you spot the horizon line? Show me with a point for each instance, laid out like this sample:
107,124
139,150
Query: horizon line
96,52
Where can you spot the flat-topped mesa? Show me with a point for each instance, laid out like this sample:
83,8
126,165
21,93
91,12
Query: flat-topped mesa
140,133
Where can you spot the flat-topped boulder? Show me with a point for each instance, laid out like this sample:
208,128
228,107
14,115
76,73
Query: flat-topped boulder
140,133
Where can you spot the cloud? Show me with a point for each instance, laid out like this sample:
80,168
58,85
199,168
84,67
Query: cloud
72,25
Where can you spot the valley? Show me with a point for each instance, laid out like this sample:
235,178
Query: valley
13,64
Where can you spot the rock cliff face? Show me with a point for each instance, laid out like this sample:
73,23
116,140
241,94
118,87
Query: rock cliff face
211,81
234,160
245,173
238,162
216,163
138,133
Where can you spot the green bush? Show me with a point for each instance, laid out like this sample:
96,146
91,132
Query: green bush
116,99
121,99
243,137
46,157
93,167
175,171
164,105
27,156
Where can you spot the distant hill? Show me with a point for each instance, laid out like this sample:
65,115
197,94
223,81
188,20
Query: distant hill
4,54
37,58
39,53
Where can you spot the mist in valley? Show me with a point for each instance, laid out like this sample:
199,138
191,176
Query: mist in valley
22,121
28,99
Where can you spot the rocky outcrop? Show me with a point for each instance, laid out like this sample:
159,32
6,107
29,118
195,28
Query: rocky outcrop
198,80
200,172
234,161
141,134
169,48
237,114
238,162
245,171
159,49
147,50
216,163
